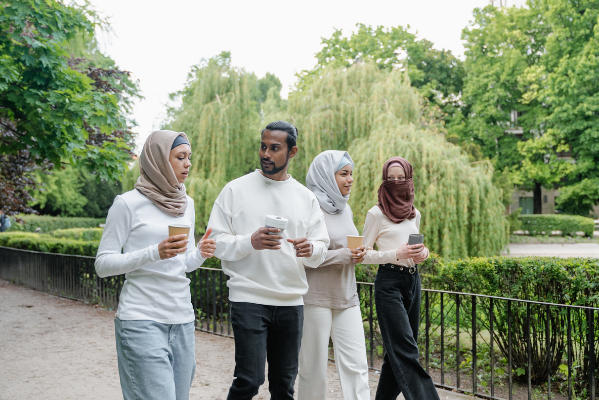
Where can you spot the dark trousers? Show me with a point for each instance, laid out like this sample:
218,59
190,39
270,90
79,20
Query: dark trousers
264,333
397,297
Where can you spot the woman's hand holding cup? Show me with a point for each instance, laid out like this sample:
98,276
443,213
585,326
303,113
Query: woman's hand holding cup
207,246
358,254
172,246
412,251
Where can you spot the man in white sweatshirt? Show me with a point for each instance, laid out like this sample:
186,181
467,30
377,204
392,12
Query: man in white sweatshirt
267,277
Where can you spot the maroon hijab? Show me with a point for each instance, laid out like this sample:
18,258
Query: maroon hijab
396,198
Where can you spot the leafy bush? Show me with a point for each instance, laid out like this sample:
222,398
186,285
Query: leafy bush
80,242
49,224
85,234
514,220
545,279
48,244
543,224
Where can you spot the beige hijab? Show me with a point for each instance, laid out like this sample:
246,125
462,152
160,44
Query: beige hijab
158,181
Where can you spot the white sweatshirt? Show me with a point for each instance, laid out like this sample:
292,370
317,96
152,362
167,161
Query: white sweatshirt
154,289
268,277
388,236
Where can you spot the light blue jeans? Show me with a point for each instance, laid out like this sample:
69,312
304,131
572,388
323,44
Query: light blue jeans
156,361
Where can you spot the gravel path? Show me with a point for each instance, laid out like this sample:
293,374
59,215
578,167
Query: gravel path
53,348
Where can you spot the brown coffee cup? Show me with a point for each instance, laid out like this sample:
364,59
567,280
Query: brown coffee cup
353,242
174,230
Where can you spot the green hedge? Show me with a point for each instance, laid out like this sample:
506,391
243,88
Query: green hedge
65,243
85,234
543,224
572,281
48,244
49,224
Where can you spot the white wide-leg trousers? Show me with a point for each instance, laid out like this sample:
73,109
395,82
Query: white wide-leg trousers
345,327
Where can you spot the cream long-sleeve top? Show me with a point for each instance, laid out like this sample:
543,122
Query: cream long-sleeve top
268,277
154,289
388,236
333,283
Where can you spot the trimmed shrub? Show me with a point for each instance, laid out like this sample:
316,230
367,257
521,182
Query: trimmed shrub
85,234
49,224
65,242
572,281
48,244
543,224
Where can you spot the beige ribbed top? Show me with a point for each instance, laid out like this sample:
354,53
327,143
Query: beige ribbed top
388,236
333,283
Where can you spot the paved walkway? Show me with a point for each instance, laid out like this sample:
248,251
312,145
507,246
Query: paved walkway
555,250
52,348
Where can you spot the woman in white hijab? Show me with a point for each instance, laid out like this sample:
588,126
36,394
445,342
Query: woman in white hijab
332,304
154,324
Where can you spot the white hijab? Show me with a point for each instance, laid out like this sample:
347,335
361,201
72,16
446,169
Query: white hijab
321,180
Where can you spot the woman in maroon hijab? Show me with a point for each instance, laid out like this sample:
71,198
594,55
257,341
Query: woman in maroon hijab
397,283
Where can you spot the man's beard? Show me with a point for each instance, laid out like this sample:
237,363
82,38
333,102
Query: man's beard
275,169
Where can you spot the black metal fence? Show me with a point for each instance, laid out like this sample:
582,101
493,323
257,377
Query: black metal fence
73,277
493,347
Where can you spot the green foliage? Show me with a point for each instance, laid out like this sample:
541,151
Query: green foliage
543,224
544,279
85,234
48,244
376,114
49,224
130,177
54,106
59,193
219,112
348,104
437,74
74,192
579,198
541,62
514,220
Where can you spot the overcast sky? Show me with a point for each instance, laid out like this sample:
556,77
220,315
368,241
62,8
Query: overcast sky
158,41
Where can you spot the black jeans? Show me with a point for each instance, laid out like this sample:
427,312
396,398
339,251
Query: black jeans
263,333
397,297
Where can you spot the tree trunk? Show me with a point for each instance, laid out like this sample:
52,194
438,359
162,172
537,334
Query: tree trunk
537,200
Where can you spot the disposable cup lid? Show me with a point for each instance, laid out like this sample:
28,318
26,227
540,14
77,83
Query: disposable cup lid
276,222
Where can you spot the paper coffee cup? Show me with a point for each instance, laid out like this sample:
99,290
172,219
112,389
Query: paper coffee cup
353,242
273,221
174,230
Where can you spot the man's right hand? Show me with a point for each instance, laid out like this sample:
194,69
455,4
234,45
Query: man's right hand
261,240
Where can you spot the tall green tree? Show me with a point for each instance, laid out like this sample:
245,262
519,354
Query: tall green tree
374,113
73,191
538,64
219,109
437,74
56,106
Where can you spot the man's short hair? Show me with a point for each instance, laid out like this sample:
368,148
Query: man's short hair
285,127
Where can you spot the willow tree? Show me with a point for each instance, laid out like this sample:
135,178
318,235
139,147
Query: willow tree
375,114
462,212
341,105
220,113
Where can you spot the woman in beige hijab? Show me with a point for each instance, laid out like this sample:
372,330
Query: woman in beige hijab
154,324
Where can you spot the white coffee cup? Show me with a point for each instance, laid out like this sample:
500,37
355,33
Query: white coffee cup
273,221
